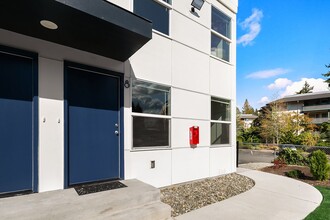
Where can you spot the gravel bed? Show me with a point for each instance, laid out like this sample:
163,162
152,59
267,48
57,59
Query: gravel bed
189,196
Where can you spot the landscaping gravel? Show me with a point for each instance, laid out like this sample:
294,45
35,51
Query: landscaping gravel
189,196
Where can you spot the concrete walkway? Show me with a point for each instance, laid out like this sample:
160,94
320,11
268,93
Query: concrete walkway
272,197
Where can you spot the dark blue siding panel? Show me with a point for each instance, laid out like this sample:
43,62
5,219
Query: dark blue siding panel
16,123
93,111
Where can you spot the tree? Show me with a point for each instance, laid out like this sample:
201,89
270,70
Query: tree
239,126
271,122
247,108
284,127
327,74
306,89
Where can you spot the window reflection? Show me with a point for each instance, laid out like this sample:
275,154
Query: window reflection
150,98
219,133
220,110
150,132
221,23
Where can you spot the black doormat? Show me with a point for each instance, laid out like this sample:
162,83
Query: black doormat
22,193
98,187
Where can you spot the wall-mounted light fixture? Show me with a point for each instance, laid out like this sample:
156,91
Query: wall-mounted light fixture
127,84
198,4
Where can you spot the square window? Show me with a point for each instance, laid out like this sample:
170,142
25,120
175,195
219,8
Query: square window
220,109
155,12
219,47
220,133
150,132
221,23
150,98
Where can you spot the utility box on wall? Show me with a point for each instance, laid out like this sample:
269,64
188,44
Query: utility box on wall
194,136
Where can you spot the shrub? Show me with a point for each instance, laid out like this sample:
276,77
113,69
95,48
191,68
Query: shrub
297,174
293,157
318,165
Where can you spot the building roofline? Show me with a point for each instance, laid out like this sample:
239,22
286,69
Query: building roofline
306,96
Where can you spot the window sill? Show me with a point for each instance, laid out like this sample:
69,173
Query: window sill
161,34
138,149
220,146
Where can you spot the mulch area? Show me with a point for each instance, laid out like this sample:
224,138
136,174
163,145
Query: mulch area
308,176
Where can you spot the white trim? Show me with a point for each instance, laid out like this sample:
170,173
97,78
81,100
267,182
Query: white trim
220,122
146,115
165,4
221,36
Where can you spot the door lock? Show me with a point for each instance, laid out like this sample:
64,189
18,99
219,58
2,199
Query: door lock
116,132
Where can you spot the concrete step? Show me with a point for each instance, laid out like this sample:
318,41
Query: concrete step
152,211
67,204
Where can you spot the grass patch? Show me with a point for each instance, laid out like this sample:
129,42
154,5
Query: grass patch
323,211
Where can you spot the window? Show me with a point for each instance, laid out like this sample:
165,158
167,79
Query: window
219,47
221,23
150,98
155,12
220,121
220,33
151,115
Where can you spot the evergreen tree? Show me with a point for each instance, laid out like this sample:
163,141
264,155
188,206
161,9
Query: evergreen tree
327,74
247,108
306,89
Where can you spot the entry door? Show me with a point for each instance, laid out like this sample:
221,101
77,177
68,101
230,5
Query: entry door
93,123
16,122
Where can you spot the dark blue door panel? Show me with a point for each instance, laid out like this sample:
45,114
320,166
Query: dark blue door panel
93,112
16,123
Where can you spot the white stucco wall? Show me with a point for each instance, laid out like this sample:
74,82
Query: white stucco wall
181,61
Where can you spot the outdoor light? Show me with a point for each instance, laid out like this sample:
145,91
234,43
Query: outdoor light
48,24
198,4
127,84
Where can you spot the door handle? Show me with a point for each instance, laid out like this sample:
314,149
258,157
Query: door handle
116,132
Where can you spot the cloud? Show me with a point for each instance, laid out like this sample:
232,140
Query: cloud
252,24
264,100
267,73
279,83
319,86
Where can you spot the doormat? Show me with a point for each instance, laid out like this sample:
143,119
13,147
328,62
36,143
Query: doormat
98,187
6,195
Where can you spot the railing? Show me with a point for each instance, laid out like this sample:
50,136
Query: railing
319,120
267,153
292,146
316,108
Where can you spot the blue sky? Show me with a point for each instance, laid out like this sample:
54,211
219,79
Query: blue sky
280,45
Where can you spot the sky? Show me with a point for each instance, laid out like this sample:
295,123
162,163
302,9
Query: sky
280,45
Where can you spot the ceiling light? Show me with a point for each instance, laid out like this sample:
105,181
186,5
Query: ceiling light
48,24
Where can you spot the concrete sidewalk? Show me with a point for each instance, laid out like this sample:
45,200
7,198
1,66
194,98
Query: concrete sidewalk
272,197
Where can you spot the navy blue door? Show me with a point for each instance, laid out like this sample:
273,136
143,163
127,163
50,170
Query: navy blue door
93,119
16,122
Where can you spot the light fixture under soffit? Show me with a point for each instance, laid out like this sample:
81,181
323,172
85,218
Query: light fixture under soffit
49,24
198,4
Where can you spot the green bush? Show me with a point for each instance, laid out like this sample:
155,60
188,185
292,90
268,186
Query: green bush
293,157
318,165
297,174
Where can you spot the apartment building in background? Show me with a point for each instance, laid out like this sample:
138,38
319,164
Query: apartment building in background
101,90
316,105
